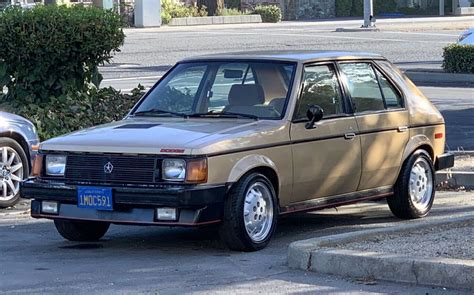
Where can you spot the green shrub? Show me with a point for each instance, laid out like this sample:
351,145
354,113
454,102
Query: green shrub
76,111
232,4
51,51
269,13
171,9
230,11
459,58
387,6
357,8
343,8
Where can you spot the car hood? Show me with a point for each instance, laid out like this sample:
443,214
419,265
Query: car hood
169,136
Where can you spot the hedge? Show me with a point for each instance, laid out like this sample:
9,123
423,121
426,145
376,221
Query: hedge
346,8
269,13
76,111
459,58
50,51
170,9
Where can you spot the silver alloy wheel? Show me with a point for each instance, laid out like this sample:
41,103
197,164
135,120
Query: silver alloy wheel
258,211
11,173
421,184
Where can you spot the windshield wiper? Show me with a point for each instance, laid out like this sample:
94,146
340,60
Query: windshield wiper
158,111
224,114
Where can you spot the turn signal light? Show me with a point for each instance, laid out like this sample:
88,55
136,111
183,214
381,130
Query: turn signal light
438,135
196,171
37,166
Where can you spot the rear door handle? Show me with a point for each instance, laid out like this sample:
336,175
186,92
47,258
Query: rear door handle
349,136
403,129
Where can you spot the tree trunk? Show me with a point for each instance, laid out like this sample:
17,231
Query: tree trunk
212,6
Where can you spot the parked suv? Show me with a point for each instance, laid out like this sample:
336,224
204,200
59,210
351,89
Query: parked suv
237,140
18,146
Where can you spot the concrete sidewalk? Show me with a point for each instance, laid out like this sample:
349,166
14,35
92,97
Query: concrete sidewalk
327,255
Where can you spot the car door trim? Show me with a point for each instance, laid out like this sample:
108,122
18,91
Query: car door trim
337,200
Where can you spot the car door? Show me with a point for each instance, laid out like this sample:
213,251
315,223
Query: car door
382,121
326,158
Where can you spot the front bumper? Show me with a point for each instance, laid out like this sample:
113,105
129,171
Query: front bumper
444,161
197,205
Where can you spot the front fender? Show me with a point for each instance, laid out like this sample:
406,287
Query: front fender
248,163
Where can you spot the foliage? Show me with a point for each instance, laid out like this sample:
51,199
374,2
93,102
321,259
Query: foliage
230,11
269,13
232,4
170,9
51,51
71,112
357,8
386,6
343,8
459,58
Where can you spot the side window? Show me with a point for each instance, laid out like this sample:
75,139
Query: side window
320,87
393,100
363,87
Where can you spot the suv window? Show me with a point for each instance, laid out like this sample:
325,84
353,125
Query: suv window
393,100
320,87
363,86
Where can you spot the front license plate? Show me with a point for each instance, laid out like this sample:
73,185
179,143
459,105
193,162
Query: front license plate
97,198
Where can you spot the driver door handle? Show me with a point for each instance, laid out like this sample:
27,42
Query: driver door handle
349,136
403,129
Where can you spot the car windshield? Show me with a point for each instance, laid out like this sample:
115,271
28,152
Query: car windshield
233,89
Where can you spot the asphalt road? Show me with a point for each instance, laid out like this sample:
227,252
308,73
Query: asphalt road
35,259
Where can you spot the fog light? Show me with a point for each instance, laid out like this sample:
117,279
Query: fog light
49,207
166,214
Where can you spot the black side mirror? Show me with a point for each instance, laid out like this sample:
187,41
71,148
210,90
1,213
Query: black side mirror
315,113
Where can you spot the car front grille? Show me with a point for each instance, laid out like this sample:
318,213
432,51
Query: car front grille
125,169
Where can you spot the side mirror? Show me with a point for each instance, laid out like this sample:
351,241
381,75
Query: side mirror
315,113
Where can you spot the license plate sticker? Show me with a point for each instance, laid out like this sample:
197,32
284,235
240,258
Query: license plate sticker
97,198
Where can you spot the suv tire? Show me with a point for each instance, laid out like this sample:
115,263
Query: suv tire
81,231
414,190
250,214
8,177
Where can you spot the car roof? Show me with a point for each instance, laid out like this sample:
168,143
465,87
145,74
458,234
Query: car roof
302,56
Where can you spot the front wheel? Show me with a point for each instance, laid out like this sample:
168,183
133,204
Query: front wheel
415,188
250,214
81,231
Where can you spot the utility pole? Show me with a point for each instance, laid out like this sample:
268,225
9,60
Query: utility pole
369,19
441,7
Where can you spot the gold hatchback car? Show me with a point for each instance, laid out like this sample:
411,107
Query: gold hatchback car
238,140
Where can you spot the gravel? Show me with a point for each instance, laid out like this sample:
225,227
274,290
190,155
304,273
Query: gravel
455,240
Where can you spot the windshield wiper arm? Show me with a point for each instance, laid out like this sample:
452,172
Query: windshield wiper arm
224,114
158,111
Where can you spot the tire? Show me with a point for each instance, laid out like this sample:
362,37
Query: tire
414,190
251,201
81,231
13,169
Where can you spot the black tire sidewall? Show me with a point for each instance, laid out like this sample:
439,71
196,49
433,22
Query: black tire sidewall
236,200
8,142
402,192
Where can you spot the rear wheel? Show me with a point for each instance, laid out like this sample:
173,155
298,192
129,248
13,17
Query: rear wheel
250,214
81,231
13,169
415,188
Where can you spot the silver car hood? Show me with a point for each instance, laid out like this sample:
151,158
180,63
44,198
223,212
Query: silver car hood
161,136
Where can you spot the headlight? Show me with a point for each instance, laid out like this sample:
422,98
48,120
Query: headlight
174,169
55,165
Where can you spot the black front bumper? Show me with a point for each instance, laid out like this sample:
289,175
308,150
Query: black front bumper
197,205
444,161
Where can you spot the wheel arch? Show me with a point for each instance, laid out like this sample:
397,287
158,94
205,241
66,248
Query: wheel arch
418,142
259,164
21,141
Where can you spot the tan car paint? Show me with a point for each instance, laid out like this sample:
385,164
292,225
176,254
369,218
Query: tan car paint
305,170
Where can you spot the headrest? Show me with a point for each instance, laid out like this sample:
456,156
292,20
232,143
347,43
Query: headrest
246,95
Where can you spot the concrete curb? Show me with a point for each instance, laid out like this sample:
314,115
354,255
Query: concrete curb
439,78
455,179
215,20
318,256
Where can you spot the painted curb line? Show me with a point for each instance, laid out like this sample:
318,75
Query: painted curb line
318,256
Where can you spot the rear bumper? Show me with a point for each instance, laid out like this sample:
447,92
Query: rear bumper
444,161
197,205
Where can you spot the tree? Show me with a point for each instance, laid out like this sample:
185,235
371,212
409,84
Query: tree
212,6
